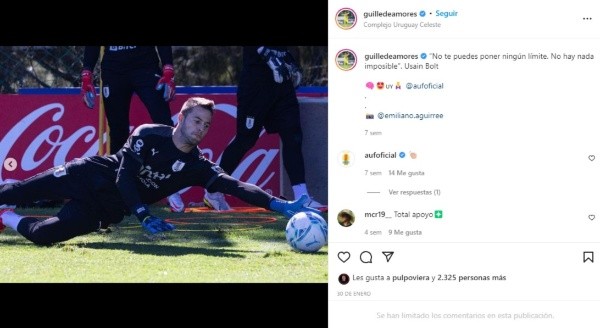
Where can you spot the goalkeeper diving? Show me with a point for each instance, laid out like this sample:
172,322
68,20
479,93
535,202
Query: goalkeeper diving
156,161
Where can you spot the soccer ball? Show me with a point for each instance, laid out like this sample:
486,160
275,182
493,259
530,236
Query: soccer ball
306,232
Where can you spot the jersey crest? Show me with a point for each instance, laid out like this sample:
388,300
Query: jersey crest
249,122
177,166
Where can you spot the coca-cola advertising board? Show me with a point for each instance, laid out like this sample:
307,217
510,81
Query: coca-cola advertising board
38,132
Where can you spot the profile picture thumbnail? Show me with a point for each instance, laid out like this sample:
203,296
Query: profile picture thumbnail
344,278
346,158
346,218
345,59
345,18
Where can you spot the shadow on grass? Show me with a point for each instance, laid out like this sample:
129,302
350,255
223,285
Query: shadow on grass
138,248
166,250
135,235
215,233
275,230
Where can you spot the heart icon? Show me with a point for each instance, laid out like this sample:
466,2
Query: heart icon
591,216
344,256
592,157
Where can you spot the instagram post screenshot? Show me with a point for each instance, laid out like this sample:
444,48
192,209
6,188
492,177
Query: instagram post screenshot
197,168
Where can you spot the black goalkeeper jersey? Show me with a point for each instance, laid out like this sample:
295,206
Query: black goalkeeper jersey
149,167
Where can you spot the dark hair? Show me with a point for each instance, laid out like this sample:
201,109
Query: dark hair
194,102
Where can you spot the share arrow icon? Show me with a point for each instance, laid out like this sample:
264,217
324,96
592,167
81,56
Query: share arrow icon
388,255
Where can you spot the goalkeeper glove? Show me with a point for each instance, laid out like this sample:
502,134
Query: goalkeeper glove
280,71
150,222
154,225
293,69
289,208
167,82
87,87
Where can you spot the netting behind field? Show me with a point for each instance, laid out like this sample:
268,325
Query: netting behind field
39,67
59,66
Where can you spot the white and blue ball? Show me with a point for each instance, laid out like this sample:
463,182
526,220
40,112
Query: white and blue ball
306,232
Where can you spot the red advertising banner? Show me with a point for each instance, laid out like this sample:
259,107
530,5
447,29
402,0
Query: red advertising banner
38,132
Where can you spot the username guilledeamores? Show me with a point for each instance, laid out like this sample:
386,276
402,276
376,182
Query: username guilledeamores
377,13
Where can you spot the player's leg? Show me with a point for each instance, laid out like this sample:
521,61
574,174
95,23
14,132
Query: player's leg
291,153
252,109
244,140
293,161
144,82
52,184
284,119
254,103
116,94
74,219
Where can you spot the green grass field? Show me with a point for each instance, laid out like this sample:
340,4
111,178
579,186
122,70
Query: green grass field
206,247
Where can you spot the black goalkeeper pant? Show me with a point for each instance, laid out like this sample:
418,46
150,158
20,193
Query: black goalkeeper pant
117,92
272,106
84,212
